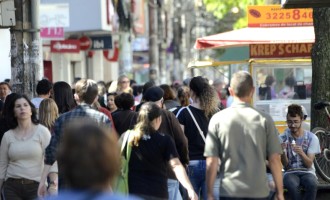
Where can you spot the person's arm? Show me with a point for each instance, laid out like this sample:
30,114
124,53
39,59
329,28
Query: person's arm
50,158
211,173
42,189
3,159
53,179
276,169
181,175
180,140
284,157
307,159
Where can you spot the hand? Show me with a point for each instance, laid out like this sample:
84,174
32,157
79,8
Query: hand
210,196
298,149
279,196
42,189
284,145
192,195
52,190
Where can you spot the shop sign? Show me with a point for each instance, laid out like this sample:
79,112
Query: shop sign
112,55
85,43
65,46
275,16
280,50
52,33
101,42
54,15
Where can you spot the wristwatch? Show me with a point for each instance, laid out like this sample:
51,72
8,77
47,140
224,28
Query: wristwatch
53,183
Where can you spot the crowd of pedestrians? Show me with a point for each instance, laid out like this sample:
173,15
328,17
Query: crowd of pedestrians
196,140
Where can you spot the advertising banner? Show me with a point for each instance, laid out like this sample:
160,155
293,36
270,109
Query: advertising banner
65,46
275,16
52,33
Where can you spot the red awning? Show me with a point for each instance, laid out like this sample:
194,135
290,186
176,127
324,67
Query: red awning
246,36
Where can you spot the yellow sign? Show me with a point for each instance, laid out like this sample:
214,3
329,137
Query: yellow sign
275,16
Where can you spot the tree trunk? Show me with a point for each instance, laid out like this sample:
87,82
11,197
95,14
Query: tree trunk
320,65
153,41
25,49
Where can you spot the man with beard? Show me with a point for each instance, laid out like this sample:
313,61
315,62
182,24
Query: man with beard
299,149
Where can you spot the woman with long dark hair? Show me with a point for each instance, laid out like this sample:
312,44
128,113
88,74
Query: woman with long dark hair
63,97
22,151
195,120
151,152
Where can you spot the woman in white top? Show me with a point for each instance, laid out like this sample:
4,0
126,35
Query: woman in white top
22,151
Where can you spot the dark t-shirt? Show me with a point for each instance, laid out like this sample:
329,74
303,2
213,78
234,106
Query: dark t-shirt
147,166
196,143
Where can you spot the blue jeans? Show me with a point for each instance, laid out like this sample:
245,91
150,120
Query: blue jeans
293,182
197,174
173,189
216,188
238,198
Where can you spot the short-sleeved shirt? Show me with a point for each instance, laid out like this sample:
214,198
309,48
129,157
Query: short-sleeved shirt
242,137
147,166
310,145
36,101
196,143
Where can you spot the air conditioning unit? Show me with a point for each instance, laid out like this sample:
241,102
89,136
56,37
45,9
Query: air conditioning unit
7,13
305,3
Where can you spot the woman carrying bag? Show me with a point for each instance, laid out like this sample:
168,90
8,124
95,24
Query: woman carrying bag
195,120
151,151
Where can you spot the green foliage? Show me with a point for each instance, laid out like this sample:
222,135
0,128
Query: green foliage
221,8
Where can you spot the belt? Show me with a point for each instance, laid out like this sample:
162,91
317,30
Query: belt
22,181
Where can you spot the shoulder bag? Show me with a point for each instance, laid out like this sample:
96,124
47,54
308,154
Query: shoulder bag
121,184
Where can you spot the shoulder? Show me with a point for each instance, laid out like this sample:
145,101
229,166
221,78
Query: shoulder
168,113
42,128
42,132
161,136
312,135
8,134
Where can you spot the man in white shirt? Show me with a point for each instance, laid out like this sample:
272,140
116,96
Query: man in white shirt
43,90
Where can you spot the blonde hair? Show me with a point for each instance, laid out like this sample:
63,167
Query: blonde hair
48,113
119,81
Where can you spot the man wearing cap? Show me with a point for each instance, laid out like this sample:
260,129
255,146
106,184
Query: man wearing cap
171,126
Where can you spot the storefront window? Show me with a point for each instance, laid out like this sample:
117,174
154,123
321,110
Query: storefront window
279,85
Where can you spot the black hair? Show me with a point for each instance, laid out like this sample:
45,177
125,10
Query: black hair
12,121
63,97
44,86
124,101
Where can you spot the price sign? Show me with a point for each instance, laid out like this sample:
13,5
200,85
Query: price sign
275,16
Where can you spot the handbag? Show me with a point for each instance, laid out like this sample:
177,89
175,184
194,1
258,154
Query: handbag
121,185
